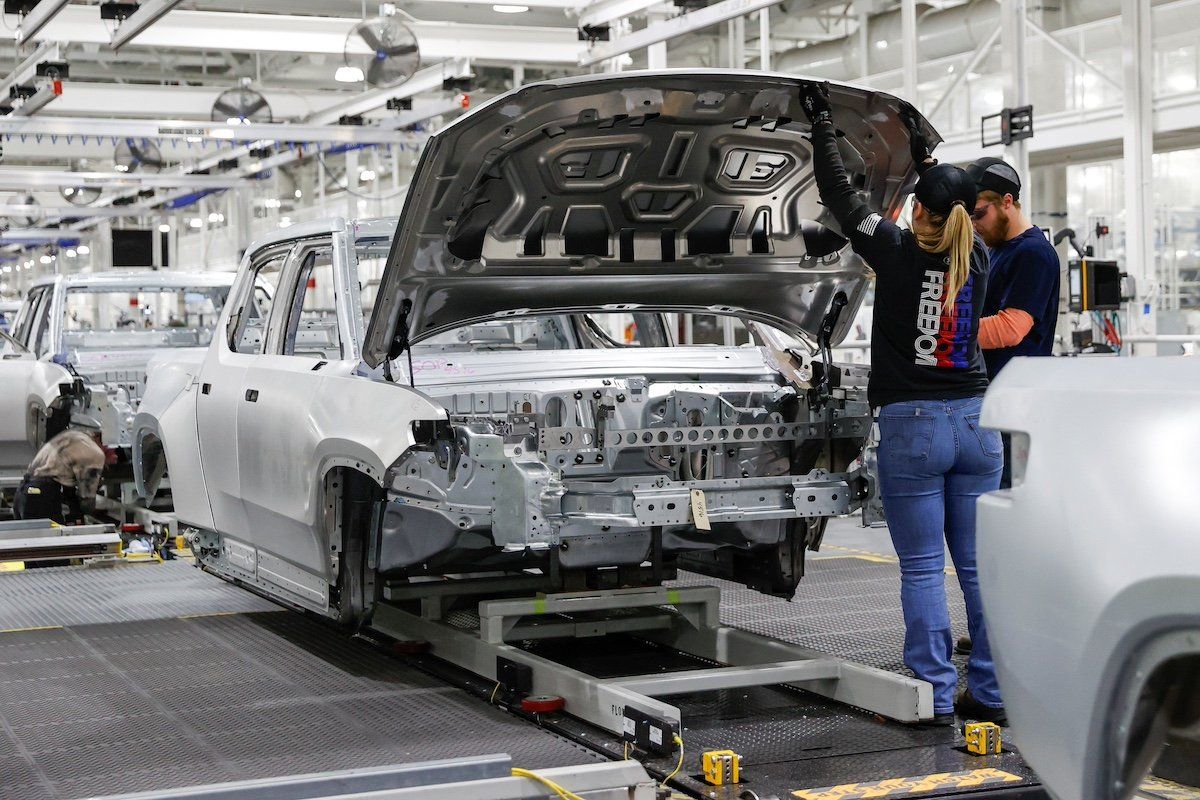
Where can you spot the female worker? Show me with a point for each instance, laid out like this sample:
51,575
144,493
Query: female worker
928,380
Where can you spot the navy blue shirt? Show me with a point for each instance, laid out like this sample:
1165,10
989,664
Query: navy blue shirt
1024,275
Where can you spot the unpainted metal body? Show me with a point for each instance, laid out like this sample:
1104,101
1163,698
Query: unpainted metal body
524,437
98,388
1090,564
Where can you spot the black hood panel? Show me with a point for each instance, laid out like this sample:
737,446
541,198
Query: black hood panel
672,191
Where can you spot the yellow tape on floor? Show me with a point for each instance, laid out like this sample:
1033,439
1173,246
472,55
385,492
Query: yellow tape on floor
907,787
1168,790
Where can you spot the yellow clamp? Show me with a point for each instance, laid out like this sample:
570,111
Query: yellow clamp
721,767
983,738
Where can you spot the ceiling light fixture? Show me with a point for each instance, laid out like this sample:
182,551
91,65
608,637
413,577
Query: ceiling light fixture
164,228
83,249
505,8
348,74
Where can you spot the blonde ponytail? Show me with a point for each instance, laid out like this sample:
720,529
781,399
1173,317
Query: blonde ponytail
955,236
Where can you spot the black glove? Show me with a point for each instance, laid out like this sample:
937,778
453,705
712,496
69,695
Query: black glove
814,98
918,143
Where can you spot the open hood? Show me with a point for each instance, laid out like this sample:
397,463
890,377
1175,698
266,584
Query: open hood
683,190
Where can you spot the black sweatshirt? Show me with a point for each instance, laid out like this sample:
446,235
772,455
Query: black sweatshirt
918,351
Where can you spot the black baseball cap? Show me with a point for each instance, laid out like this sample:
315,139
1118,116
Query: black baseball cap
943,185
996,175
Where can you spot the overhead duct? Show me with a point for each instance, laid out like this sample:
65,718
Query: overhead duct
940,34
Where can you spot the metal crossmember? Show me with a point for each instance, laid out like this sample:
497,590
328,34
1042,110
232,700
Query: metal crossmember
686,619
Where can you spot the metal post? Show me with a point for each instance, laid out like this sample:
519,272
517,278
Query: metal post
1016,90
1138,151
908,35
656,54
764,39
351,181
737,43
864,45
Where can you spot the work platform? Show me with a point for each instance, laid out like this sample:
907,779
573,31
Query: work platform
149,676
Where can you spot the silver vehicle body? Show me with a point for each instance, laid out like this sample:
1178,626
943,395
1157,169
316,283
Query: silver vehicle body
45,371
641,194
1090,565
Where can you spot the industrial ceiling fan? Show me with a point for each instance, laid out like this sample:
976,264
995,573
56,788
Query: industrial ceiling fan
241,106
81,194
137,155
382,51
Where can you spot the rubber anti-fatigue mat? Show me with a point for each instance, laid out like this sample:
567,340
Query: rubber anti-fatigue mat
134,706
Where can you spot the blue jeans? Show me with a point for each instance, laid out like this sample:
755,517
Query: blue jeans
934,462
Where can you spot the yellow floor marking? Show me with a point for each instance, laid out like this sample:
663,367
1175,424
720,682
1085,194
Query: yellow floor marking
12,566
34,628
211,614
1169,790
907,787
867,555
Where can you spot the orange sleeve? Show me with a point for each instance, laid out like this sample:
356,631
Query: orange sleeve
1005,329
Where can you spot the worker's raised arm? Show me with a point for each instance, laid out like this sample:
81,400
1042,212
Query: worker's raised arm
872,237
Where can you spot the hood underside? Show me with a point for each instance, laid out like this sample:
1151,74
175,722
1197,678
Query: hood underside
668,191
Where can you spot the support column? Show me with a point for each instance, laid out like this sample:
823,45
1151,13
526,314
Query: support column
864,45
656,54
908,53
1138,149
764,39
1016,68
737,43
351,184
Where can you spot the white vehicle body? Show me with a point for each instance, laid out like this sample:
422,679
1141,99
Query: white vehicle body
8,314
55,372
484,421
1090,565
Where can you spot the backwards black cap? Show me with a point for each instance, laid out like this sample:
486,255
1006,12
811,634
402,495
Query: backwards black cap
943,185
996,175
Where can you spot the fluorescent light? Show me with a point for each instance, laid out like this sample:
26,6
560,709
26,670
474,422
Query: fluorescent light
83,249
221,133
70,253
504,8
213,216
121,167
194,139
367,175
881,44
299,194
285,222
47,259
348,74
195,222
164,228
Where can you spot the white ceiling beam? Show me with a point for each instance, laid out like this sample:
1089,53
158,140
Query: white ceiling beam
46,94
27,69
37,19
85,98
147,14
29,211
603,12
45,125
184,29
428,79
24,178
672,28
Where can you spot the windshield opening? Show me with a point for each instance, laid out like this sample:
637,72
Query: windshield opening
152,316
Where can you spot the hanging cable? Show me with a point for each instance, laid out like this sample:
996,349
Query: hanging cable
561,792
679,766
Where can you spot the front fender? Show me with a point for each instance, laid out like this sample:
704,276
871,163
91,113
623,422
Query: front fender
29,391
165,441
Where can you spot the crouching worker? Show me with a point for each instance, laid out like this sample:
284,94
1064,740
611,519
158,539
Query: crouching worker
928,380
65,472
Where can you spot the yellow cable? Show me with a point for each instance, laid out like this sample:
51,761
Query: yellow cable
563,793
492,699
679,766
